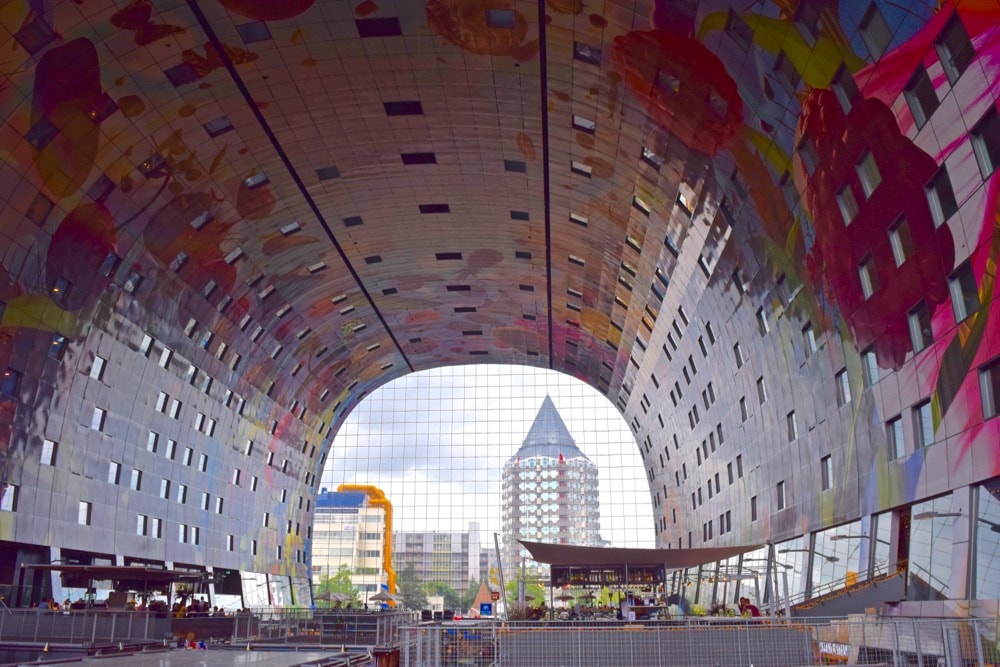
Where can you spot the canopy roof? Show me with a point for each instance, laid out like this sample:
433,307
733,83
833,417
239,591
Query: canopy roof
123,574
672,559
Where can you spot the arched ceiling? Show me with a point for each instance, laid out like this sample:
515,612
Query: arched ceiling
382,187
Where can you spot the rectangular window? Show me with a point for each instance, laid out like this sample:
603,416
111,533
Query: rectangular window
809,339
868,173
98,418
156,529
738,351
761,390
954,48
964,292
171,449
780,492
941,197
253,482
844,87
869,367
808,154
923,425
188,455
739,466
868,276
989,388
843,387
48,455
753,508
229,542
847,204
136,482
219,504
175,409
114,472
9,383
762,325
165,357
97,368
165,489
826,472
202,462
146,345
793,426
985,138
894,437
744,414
920,96
84,513
206,499
875,32
901,241
236,476
161,401
140,524
919,320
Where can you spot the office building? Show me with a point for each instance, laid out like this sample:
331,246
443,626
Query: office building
349,531
449,558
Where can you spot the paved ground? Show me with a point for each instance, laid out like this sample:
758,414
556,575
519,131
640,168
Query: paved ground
211,658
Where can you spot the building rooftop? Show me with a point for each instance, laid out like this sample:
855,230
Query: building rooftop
548,436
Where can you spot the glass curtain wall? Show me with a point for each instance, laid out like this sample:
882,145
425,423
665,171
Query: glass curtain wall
930,549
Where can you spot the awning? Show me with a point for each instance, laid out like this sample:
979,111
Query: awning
122,575
673,559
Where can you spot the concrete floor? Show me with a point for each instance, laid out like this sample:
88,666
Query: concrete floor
210,658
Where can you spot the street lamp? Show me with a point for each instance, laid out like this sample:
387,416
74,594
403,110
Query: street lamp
834,538
934,514
829,559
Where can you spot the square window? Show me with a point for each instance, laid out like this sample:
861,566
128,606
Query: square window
84,513
941,197
954,48
985,138
875,32
826,472
964,292
923,424
847,204
98,418
920,96
869,367
901,241
97,368
843,387
989,388
48,455
868,277
868,173
895,438
919,320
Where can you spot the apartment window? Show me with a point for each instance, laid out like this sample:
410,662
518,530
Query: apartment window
182,533
84,513
738,352
808,154
267,518
954,48
989,388
761,390
868,277
98,418
165,489
753,508
199,421
114,472
901,241
826,472
919,320
48,455
188,455
140,524
964,292
844,88
875,32
739,466
843,387
165,357
847,204
809,339
9,382
229,542
744,414
146,345
175,409
161,401
206,499
985,138
136,482
869,367
182,494
941,197
156,528
202,462
236,476
793,426
780,492
97,368
868,173
219,504
253,547
923,424
762,324
920,96
894,437
171,449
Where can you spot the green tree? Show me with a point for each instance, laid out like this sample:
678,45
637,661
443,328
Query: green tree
451,598
339,583
411,588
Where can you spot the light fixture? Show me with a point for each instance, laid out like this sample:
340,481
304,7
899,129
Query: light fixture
829,559
934,514
834,538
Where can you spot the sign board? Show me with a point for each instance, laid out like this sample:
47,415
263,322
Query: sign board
485,608
494,595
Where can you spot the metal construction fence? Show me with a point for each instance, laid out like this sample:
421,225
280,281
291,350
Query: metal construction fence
862,640
82,627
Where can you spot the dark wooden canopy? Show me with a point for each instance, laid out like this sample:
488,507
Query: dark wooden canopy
672,559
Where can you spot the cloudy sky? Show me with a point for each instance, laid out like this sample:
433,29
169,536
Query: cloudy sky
436,441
